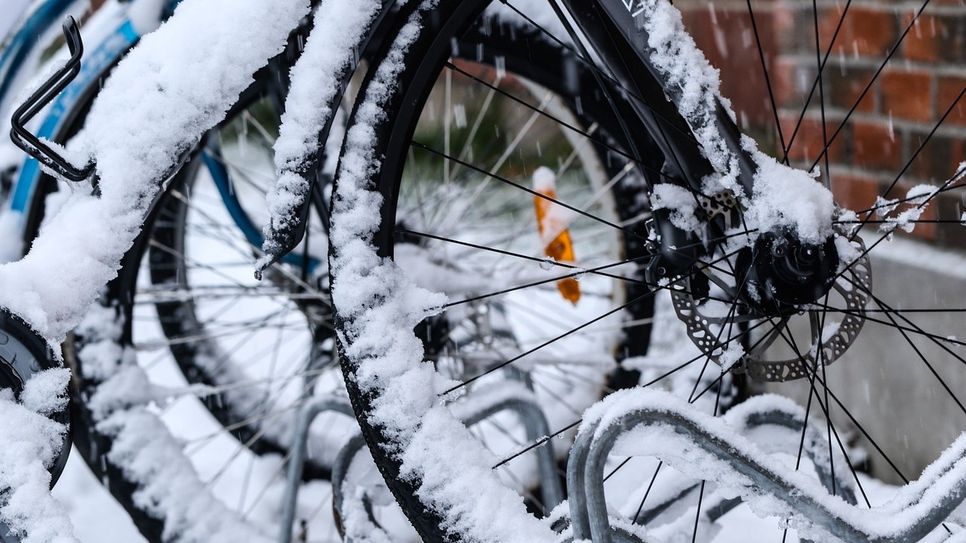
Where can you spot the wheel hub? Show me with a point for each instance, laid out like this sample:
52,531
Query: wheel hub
785,278
782,273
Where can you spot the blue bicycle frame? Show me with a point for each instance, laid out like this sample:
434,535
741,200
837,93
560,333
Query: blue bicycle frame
102,57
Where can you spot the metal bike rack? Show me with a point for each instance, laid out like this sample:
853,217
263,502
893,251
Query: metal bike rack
499,398
300,439
814,447
945,487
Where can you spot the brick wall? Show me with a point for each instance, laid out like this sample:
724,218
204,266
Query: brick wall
916,88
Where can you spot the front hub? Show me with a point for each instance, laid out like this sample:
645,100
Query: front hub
781,273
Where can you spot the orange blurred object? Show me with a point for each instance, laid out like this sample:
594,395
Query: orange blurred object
554,234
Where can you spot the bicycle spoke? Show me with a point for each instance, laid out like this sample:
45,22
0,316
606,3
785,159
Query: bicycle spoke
875,76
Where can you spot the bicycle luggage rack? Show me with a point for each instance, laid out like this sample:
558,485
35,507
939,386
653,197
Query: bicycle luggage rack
39,99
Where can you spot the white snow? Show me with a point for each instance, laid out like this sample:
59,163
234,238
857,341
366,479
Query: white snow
682,204
329,53
916,201
144,449
31,443
46,392
788,199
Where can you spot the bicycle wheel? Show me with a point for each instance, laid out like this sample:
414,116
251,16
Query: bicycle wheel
493,185
207,306
767,261
256,350
178,317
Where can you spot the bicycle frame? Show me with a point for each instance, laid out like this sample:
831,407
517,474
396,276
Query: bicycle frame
25,201
23,205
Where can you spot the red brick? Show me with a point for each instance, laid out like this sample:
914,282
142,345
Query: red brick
808,143
843,86
876,146
920,42
907,94
939,158
949,89
854,191
784,83
934,38
865,31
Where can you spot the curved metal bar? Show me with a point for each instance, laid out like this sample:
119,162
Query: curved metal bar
535,426
483,407
300,438
340,470
815,446
749,418
588,504
32,145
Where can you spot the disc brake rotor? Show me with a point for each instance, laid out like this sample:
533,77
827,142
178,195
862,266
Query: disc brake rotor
704,329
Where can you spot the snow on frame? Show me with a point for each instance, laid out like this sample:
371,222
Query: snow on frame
329,53
152,109
784,197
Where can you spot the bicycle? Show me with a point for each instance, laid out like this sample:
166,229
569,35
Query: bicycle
168,264
420,63
429,461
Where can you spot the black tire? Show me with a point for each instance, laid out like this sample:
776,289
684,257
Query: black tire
23,354
545,62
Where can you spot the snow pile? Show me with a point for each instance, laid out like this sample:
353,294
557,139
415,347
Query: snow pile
178,83
788,199
31,443
317,77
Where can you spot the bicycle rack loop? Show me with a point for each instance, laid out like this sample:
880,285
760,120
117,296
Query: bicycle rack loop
296,464
499,398
923,506
44,95
814,447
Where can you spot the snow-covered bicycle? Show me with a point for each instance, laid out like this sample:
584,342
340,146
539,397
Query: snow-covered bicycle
199,230
745,245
